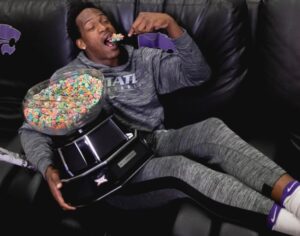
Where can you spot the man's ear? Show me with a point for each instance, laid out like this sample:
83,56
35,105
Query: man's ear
80,44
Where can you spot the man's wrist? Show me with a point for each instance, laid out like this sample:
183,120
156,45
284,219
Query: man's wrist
173,29
48,169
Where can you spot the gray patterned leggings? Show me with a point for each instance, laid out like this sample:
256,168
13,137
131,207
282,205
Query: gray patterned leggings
187,153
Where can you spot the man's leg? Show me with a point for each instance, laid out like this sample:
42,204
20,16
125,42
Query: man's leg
214,185
211,142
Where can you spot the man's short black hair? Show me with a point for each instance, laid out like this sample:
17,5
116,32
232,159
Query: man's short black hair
74,10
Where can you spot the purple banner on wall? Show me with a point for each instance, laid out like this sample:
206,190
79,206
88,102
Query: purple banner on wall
9,36
156,40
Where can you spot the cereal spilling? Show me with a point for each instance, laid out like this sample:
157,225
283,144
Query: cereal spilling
117,37
61,105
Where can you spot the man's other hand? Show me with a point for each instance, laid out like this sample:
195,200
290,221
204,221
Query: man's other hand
55,184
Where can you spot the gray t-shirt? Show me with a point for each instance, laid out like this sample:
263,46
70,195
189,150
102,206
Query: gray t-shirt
132,90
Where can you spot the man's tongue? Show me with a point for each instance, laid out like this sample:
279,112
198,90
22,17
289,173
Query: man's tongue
109,43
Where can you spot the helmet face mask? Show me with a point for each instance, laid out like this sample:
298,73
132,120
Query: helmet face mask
100,162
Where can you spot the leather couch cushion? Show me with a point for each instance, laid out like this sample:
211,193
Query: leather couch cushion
278,37
42,47
193,220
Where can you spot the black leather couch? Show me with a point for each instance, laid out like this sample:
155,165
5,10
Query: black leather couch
253,50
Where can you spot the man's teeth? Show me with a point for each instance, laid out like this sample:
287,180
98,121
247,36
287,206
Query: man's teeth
108,42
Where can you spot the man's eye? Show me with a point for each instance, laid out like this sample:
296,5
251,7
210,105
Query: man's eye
90,27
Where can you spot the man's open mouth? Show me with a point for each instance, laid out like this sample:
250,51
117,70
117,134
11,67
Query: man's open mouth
108,42
114,39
